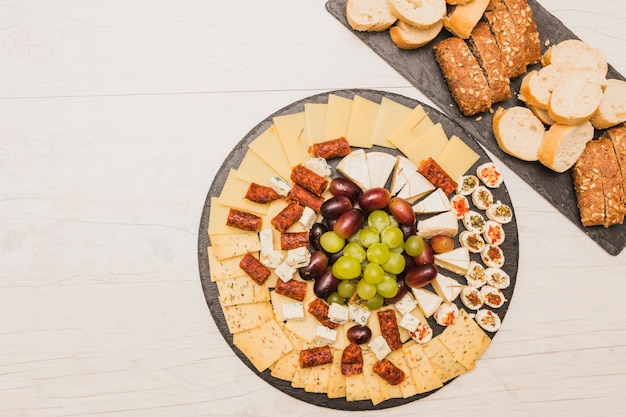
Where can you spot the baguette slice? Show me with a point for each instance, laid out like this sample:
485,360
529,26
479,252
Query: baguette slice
562,145
576,96
407,36
518,132
575,53
537,85
369,15
464,18
542,115
612,108
455,2
422,14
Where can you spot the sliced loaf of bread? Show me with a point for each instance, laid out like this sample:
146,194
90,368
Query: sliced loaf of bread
407,36
518,132
576,53
369,15
463,18
562,145
612,108
576,96
422,14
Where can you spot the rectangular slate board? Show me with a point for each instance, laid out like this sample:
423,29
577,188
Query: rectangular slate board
420,69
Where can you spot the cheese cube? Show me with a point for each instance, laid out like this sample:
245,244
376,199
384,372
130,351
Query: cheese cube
324,335
358,314
298,257
379,347
293,311
285,272
319,166
279,185
409,322
308,218
271,259
338,313
266,238
406,304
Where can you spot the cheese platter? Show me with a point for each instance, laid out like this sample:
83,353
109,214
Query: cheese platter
420,68
463,304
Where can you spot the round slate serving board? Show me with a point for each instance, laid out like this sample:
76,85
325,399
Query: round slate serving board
510,245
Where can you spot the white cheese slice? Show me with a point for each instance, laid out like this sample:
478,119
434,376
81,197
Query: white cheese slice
457,260
279,185
324,335
308,218
354,167
380,166
285,271
338,313
319,166
409,322
402,171
379,347
444,223
435,202
427,301
293,311
416,187
298,257
406,304
358,314
446,287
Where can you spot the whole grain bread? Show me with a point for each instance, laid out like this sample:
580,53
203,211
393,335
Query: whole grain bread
617,136
483,45
510,38
523,16
588,185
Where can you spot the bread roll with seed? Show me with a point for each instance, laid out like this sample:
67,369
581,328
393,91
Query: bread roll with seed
423,14
612,108
518,132
407,36
369,15
576,96
563,144
464,17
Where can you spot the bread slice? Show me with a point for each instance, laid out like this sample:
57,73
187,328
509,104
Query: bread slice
537,85
576,53
523,16
617,136
464,76
542,115
518,132
463,18
423,13
455,2
612,108
588,185
576,96
369,15
508,36
483,45
563,144
612,184
407,36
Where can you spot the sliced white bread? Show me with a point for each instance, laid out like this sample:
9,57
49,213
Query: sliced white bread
575,53
612,108
576,96
407,36
563,144
537,85
369,15
464,17
518,132
455,2
542,114
423,13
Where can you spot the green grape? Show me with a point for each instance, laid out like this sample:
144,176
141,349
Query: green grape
414,245
373,273
335,298
375,302
393,221
398,249
355,250
368,236
392,236
388,287
378,253
346,267
395,264
346,288
331,242
378,219
365,290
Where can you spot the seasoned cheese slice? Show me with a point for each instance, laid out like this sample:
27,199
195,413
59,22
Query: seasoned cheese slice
380,165
217,219
446,287
263,345
224,269
445,365
336,380
304,328
465,340
422,371
427,301
337,117
362,121
354,167
247,316
356,390
315,117
435,202
233,194
241,290
457,260
268,147
254,169
402,171
291,129
413,125
427,145
390,115
444,223
234,244
376,386
407,387
456,158
416,187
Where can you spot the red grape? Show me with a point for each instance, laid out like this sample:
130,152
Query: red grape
420,275
349,223
344,187
317,265
359,334
334,207
374,199
325,284
427,255
402,211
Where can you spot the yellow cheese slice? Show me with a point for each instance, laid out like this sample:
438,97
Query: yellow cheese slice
428,144
362,121
336,380
465,340
456,158
377,387
286,367
407,387
268,147
411,126
304,328
247,316
390,115
300,377
241,290
253,169
315,115
278,300
317,380
224,269
218,217
424,376
291,129
263,345
234,244
356,390
337,117
445,365
233,194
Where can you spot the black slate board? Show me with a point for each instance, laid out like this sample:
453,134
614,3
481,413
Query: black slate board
510,246
420,69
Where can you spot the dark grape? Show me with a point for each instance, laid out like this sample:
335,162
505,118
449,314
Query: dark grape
317,265
334,207
408,230
349,223
359,334
325,284
374,199
420,275
427,255
345,187
332,257
402,211
317,230
402,290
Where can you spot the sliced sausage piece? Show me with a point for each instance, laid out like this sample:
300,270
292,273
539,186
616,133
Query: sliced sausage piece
294,240
334,148
306,198
319,309
389,328
316,356
352,360
308,179
287,216
261,194
433,172
254,268
243,220
389,372
292,289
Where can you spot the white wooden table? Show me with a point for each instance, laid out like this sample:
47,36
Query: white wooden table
114,118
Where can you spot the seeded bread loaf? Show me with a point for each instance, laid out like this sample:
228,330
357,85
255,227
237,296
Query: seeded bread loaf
464,76
588,185
617,136
562,145
369,15
483,45
508,36
518,132
462,19
524,19
407,36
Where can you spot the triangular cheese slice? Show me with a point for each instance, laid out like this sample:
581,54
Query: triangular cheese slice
401,173
380,165
427,301
354,167
446,287
457,260
435,202
417,186
444,223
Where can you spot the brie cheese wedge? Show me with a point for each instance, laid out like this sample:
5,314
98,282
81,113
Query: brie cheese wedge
446,287
380,165
354,167
444,223
435,202
416,187
457,260
402,171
